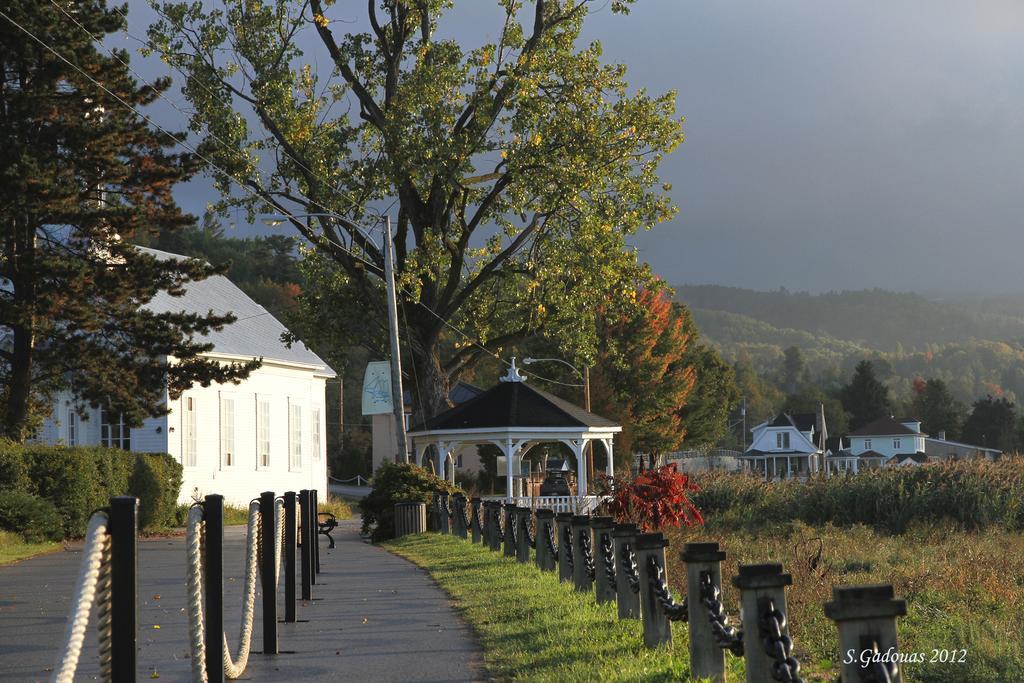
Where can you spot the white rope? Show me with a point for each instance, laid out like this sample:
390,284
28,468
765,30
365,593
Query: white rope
196,628
234,667
95,554
278,541
104,612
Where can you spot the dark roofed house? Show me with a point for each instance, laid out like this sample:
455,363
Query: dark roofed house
515,417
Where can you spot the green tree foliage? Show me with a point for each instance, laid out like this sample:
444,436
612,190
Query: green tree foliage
397,483
705,417
81,176
517,168
809,399
993,424
936,408
865,398
793,368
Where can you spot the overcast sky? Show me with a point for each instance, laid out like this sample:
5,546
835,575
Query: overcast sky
830,145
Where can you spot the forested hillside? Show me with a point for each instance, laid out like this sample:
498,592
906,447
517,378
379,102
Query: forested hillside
975,346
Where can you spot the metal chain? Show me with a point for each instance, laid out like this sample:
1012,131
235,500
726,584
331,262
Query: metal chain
497,522
443,502
514,527
608,555
880,672
479,517
463,509
552,548
629,564
675,611
531,536
567,544
728,637
588,556
778,645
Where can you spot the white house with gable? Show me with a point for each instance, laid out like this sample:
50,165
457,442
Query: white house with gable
786,447
266,433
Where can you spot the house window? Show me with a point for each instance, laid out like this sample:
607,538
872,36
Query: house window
458,460
113,432
72,439
867,444
782,440
263,431
314,414
188,432
896,444
227,431
295,436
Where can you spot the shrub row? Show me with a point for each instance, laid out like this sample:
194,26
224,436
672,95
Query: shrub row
77,481
973,494
396,483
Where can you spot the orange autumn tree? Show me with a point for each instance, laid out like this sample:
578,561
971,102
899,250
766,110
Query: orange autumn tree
642,378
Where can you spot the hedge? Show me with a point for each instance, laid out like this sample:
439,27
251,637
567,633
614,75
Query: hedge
393,483
79,480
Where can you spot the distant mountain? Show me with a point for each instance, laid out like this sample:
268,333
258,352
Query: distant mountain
975,345
873,318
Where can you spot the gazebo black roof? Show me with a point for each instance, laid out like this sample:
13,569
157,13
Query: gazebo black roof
513,404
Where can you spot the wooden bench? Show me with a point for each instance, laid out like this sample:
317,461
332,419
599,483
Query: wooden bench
326,523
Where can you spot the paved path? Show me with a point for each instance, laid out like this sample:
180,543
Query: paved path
373,617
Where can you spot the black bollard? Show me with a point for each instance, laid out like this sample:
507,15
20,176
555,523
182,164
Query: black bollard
124,613
306,559
290,520
315,528
509,510
213,515
474,520
268,568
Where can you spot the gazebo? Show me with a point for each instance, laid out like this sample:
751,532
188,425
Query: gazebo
515,417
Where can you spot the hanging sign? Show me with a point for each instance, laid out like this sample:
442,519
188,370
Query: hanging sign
377,388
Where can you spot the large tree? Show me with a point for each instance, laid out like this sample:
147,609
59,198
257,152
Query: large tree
993,424
81,175
514,170
865,398
935,406
642,377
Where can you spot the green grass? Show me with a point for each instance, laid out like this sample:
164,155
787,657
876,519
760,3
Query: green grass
13,547
534,628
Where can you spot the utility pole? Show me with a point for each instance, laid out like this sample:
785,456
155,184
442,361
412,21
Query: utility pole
397,395
586,406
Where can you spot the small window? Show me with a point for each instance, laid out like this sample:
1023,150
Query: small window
72,439
867,444
295,436
314,414
188,432
896,444
782,440
227,431
113,431
263,431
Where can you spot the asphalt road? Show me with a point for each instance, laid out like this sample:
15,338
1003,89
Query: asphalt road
373,617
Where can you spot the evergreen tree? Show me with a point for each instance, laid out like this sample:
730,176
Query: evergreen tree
81,176
865,398
934,405
793,367
993,424
705,417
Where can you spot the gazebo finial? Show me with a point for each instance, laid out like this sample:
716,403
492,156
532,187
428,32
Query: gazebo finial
513,374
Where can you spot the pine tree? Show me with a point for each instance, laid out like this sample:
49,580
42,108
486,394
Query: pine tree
934,405
81,175
993,424
865,398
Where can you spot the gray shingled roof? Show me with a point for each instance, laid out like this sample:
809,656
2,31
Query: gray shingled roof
255,333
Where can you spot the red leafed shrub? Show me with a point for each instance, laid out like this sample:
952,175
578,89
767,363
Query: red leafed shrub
655,499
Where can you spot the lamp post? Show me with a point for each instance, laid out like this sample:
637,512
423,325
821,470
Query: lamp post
585,376
397,394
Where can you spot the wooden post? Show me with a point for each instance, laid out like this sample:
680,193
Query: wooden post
545,521
623,537
580,535
562,522
410,518
761,585
523,527
459,516
509,510
604,586
496,526
707,660
443,507
474,519
433,515
866,618
657,627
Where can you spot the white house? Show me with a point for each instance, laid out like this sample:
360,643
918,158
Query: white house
786,447
266,433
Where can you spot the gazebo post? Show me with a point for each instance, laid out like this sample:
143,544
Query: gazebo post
508,468
610,469
581,468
